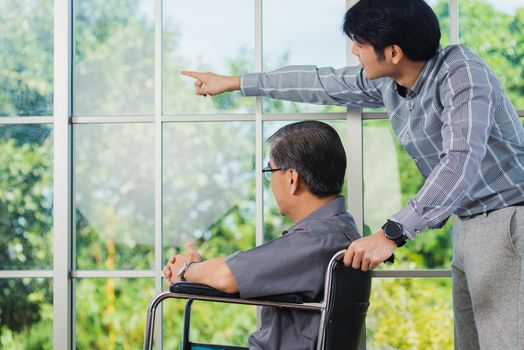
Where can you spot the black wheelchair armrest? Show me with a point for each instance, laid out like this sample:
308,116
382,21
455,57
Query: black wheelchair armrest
205,290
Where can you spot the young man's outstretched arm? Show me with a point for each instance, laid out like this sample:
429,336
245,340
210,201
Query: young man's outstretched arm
327,86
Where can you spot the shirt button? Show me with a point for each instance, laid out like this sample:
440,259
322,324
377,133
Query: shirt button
415,159
417,232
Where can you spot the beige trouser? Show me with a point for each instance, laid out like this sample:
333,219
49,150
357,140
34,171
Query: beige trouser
488,281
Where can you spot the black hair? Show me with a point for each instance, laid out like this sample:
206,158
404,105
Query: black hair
315,151
410,24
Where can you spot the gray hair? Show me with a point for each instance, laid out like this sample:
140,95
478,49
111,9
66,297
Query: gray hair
315,151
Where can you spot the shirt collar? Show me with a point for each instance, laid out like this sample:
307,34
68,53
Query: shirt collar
423,76
336,206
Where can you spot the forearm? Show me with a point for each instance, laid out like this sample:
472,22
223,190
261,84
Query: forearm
441,194
346,87
214,273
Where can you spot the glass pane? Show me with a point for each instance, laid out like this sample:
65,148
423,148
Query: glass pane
26,53
384,156
311,35
211,323
206,35
26,313
114,57
274,222
114,196
110,313
26,197
493,29
410,314
209,187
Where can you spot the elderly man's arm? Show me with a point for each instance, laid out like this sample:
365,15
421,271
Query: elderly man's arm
213,272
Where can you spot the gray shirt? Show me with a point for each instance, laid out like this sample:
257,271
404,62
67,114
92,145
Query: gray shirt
456,123
293,263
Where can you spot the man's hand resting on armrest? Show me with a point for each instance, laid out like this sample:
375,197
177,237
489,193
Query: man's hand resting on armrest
213,272
176,261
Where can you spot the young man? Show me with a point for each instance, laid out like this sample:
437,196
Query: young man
306,168
451,114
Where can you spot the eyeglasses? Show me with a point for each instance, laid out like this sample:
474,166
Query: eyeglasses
267,171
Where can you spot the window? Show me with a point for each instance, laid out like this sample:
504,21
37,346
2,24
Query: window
114,57
26,180
193,40
287,37
26,82
114,196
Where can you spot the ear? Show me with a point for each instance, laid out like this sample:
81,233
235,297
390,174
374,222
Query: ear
293,181
395,53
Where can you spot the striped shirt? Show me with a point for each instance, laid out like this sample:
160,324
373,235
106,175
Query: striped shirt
457,124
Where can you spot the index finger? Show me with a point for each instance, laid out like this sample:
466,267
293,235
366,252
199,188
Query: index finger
348,257
191,74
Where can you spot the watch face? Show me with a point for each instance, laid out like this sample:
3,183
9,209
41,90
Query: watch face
392,230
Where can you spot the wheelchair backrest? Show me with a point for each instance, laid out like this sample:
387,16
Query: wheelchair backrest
346,296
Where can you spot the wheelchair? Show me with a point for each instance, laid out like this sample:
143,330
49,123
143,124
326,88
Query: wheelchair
343,310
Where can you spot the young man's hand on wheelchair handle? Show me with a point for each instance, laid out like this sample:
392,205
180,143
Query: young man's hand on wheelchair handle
368,252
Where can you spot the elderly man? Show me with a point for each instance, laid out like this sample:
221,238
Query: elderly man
306,169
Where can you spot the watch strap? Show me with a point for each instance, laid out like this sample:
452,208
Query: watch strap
183,270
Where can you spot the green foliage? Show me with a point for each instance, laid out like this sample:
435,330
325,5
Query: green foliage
515,55
25,227
25,205
233,232
26,46
442,11
110,313
210,323
497,37
26,314
410,314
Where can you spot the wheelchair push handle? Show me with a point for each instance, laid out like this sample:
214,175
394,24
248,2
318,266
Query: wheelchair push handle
340,256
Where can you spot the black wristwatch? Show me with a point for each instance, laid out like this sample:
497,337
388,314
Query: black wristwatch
395,232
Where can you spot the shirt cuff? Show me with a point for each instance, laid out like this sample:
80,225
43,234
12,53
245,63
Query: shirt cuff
249,84
410,220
